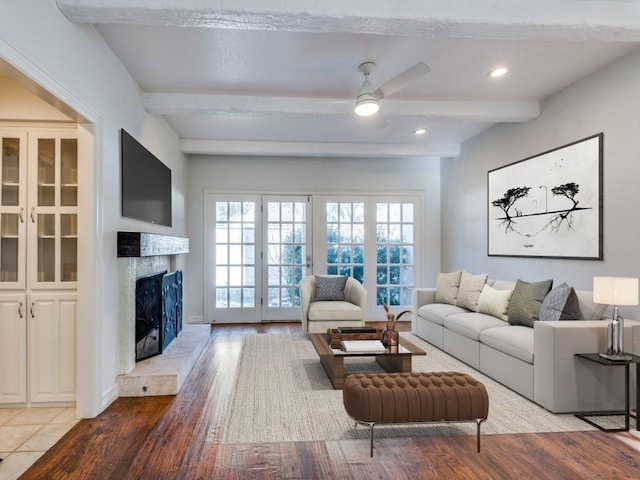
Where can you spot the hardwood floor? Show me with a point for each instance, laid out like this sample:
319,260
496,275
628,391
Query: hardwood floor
177,438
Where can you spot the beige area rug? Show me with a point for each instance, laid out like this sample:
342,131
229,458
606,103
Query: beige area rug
282,394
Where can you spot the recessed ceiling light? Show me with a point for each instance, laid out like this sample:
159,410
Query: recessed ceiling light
498,72
420,131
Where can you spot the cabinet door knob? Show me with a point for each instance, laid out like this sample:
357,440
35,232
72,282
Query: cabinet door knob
20,310
31,310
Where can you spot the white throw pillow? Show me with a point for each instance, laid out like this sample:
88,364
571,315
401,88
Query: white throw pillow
495,302
469,290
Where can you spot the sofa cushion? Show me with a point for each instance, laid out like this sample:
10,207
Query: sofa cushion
469,290
329,287
437,312
561,303
514,340
494,302
471,324
334,310
447,287
588,309
524,306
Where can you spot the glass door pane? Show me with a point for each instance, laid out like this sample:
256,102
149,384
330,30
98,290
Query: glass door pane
13,200
287,247
53,212
10,171
46,247
69,172
46,172
9,247
69,247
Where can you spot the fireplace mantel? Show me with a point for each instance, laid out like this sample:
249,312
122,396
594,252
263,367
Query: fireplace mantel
140,244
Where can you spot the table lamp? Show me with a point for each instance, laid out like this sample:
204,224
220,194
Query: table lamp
615,291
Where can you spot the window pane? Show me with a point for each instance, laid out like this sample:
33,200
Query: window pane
235,254
222,276
381,275
273,210
221,254
287,212
248,297
273,233
300,213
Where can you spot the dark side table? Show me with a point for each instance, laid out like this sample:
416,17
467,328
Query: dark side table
594,357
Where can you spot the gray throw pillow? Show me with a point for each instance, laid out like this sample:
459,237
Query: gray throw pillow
330,288
561,303
524,307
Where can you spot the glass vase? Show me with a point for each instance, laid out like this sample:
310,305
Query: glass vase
390,337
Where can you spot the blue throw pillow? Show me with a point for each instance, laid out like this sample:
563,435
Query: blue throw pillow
561,303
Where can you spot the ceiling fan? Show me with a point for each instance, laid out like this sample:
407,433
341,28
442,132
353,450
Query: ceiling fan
368,100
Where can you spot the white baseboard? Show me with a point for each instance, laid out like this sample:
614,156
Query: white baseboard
109,396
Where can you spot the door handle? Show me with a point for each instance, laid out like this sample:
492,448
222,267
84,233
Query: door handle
20,215
33,218
31,310
20,310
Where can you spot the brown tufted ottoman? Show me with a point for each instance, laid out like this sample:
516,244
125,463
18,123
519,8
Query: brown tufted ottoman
415,397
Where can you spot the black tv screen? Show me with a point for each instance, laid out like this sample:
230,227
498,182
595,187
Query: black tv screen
146,183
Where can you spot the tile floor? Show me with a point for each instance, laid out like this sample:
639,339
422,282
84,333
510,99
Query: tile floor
26,433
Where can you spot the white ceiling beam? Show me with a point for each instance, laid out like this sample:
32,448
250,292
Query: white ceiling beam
573,20
312,149
482,111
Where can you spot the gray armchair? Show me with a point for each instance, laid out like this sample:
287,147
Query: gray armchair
319,315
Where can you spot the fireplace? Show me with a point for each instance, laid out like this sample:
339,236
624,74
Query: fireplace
158,312
143,255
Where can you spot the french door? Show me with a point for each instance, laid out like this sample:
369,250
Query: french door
257,250
259,247
371,238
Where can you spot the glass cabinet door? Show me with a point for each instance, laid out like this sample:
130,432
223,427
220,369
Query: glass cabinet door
53,211
12,209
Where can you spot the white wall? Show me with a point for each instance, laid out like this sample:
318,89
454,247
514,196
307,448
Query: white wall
607,101
306,176
18,103
73,63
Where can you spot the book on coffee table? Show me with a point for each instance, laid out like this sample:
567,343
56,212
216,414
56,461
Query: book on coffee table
362,346
357,330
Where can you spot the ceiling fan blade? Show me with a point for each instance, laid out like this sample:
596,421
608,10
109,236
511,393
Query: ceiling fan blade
403,79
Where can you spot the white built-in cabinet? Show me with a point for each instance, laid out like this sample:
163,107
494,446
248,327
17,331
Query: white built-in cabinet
38,264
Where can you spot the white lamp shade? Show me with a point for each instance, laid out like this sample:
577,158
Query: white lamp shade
615,290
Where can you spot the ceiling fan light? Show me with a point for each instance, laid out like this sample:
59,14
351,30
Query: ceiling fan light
498,72
366,105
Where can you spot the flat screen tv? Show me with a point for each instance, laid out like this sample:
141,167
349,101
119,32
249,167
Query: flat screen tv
146,183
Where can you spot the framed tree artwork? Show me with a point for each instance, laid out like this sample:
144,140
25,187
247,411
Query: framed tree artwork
548,205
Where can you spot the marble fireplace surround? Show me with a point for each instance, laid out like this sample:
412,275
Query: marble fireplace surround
141,254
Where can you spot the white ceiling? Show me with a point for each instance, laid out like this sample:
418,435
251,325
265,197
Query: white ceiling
280,77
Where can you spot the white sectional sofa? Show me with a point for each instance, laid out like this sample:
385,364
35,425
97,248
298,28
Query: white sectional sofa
538,363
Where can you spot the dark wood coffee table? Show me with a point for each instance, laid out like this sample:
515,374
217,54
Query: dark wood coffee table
332,360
